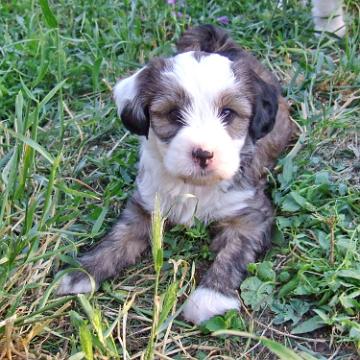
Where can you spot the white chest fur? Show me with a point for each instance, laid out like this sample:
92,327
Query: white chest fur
180,201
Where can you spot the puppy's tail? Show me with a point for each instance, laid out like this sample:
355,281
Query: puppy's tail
211,39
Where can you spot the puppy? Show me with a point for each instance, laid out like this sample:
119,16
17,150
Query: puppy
211,120
328,16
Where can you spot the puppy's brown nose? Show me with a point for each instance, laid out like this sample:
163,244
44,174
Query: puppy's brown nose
202,157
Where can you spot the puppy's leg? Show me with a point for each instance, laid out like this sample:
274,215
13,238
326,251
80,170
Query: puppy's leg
238,242
120,248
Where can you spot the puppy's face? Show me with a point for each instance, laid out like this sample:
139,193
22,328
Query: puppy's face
198,109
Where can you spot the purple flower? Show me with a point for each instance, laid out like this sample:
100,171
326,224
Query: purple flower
179,14
171,2
224,20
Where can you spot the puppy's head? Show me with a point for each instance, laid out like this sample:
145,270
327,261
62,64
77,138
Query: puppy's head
198,109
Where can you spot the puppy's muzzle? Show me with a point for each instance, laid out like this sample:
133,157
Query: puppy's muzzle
202,157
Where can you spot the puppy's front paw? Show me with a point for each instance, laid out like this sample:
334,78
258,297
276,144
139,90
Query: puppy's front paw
77,282
204,303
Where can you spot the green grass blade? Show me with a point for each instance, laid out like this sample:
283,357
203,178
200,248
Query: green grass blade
278,349
34,145
49,189
86,341
50,19
51,93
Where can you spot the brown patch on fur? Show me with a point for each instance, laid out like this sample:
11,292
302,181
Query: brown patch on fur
198,55
175,99
163,128
238,127
135,115
238,102
209,39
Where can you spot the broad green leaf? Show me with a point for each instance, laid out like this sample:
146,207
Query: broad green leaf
78,356
355,332
289,204
302,201
234,320
352,274
265,271
322,177
278,237
289,287
256,293
345,245
349,300
293,311
343,189
214,324
309,325
323,316
283,222
284,277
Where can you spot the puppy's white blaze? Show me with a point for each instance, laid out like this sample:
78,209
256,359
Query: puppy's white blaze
204,303
202,78
81,287
125,90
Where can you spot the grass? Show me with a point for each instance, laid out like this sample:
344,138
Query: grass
67,167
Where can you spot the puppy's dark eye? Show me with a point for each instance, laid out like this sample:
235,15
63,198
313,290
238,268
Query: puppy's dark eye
227,115
175,116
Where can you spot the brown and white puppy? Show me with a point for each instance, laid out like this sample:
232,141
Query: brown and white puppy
211,119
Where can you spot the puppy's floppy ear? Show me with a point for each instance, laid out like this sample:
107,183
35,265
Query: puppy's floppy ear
131,104
265,108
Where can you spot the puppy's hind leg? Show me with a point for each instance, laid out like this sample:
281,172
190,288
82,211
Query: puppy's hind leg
121,247
238,242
